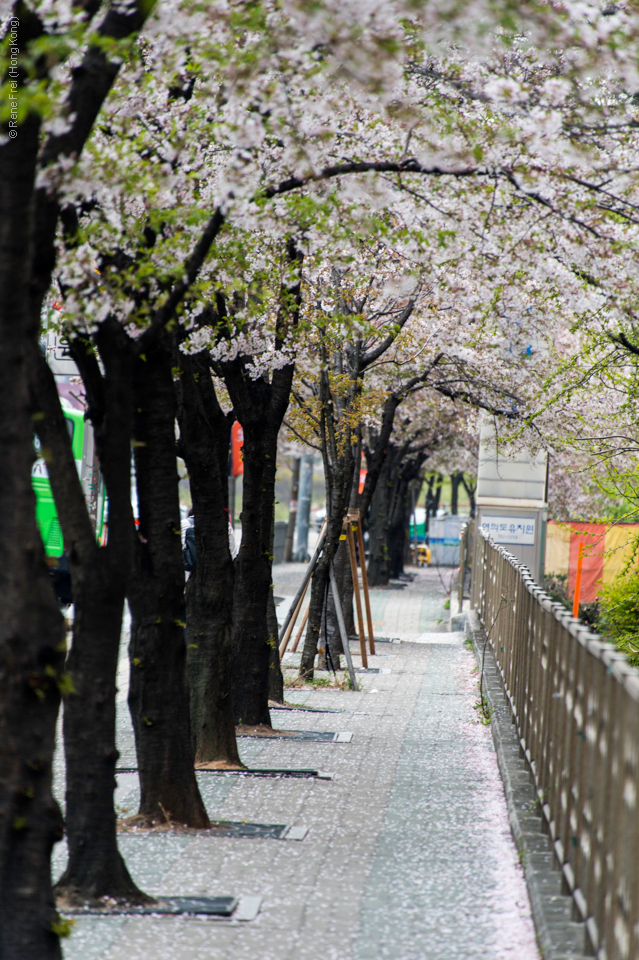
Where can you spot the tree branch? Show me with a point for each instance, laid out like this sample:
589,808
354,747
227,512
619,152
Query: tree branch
90,84
623,341
192,267
409,165
377,351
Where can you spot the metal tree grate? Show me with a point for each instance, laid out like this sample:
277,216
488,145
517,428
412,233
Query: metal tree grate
193,906
314,736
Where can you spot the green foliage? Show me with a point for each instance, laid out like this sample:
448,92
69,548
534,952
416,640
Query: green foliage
619,620
556,586
483,710
63,927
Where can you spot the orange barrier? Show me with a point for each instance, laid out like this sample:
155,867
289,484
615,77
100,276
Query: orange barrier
605,554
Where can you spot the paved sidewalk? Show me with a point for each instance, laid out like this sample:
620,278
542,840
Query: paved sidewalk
408,854
402,613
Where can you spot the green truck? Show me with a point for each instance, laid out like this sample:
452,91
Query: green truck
81,434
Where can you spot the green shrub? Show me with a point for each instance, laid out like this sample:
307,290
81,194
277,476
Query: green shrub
556,586
619,618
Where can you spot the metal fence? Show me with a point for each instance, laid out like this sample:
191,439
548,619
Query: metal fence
575,702
465,546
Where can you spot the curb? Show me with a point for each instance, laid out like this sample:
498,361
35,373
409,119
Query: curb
559,936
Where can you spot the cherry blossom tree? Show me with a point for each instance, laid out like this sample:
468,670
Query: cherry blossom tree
47,122
506,167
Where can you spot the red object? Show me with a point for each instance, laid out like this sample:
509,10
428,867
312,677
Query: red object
580,560
237,442
362,479
591,536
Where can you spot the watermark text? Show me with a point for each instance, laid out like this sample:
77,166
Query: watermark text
13,74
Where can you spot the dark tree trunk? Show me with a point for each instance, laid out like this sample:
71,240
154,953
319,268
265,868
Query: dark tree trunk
330,641
204,444
470,487
389,514
455,481
91,82
30,282
95,868
378,521
253,565
397,535
338,481
275,677
375,452
158,690
260,406
433,494
31,627
338,456
31,632
339,464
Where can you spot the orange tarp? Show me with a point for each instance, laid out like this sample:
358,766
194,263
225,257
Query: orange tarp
606,551
592,535
619,547
557,548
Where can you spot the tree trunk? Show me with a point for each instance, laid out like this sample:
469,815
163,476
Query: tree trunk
397,534
338,488
433,495
31,627
275,677
204,444
95,868
330,640
158,690
253,568
378,557
455,481
390,514
260,406
470,487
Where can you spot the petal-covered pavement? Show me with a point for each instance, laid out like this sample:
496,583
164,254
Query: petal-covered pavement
408,854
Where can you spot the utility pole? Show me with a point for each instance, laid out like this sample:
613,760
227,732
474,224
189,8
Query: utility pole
304,507
292,515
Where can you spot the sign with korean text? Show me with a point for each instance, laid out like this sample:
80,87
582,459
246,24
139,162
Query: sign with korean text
519,530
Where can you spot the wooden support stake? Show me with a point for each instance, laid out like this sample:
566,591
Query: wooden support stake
358,600
301,630
291,623
342,628
295,606
367,599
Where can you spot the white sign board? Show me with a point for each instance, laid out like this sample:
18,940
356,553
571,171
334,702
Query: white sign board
510,529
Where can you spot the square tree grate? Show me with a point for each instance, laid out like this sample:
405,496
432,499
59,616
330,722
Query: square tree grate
232,828
311,736
254,772
194,906
275,772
